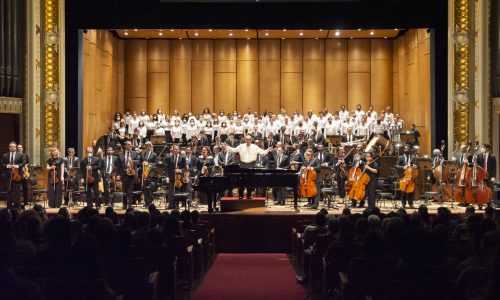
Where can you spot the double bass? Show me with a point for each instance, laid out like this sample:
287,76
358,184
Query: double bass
462,181
307,183
441,174
477,192
354,173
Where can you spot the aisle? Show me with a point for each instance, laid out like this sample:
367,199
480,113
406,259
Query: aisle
250,276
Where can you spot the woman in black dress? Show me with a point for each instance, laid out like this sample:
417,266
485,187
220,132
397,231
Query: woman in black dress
55,167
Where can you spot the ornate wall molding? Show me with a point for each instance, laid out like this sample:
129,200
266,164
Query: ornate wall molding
11,105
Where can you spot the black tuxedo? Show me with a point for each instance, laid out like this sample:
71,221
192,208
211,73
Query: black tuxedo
226,155
170,162
112,140
283,163
297,156
13,195
281,137
352,138
255,135
75,162
491,164
191,162
269,143
92,188
71,163
325,157
204,141
403,161
109,164
232,142
24,181
460,159
127,181
317,138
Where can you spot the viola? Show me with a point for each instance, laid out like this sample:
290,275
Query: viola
89,177
178,179
307,184
130,167
16,175
53,178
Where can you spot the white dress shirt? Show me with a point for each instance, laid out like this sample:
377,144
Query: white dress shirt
248,153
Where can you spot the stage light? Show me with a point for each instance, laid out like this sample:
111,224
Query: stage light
372,33
160,33
352,37
337,33
246,29
385,37
320,29
396,29
248,38
230,34
135,29
282,38
267,33
301,34
316,38
126,33
180,38
210,30
284,29
196,33
359,29
172,29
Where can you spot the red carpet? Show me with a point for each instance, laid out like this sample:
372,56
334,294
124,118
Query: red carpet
250,276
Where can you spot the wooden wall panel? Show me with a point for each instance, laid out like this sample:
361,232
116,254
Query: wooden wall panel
136,66
335,73
158,75
381,73
291,75
202,76
358,68
224,75
180,75
314,85
269,75
247,79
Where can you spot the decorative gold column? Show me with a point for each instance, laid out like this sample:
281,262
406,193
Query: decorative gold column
50,69
461,72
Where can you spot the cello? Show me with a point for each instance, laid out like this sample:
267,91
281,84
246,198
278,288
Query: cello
477,192
407,183
358,190
307,183
354,172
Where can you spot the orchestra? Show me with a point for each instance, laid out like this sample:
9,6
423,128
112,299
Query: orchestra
344,146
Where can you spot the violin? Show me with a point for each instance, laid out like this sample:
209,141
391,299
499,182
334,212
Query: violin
53,178
130,167
178,179
307,184
358,189
186,176
89,178
341,164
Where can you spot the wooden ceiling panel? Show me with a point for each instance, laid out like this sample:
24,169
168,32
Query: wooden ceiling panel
254,34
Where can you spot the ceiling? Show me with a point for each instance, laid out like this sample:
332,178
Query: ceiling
254,33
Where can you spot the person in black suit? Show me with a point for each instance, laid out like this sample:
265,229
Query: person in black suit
349,137
270,142
205,165
12,162
148,159
261,161
464,157
405,161
296,157
488,161
255,134
24,181
72,173
90,166
317,137
282,162
191,161
128,161
55,168
324,157
109,167
225,157
416,134
281,136
175,163
231,141
112,139
203,140
341,167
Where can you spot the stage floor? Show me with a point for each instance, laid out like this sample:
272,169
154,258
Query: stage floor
271,209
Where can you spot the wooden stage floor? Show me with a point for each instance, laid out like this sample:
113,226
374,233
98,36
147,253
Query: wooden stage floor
271,209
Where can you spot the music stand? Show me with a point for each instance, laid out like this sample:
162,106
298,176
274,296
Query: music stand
336,140
407,138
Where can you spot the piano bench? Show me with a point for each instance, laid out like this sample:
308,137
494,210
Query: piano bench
329,193
181,197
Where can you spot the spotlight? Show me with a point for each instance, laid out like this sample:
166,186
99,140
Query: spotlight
385,37
230,34
284,29
396,29
372,33
246,29
135,29
126,33
248,38
359,29
301,34
196,33
210,30
282,38
267,33
172,29
337,33
160,33
320,29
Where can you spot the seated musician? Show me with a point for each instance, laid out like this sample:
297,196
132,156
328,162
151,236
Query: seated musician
255,133
405,161
349,137
281,136
148,159
311,163
203,139
109,166
282,162
248,155
231,141
205,164
112,138
317,137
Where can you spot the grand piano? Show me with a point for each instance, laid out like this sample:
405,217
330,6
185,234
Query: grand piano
236,176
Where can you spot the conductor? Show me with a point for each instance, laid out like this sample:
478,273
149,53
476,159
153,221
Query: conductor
248,155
